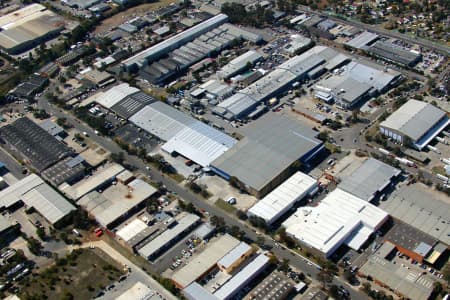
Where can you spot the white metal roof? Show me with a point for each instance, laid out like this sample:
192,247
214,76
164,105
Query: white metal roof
131,230
414,118
14,192
232,286
195,291
362,40
280,200
169,235
48,203
138,291
231,257
200,143
115,94
340,218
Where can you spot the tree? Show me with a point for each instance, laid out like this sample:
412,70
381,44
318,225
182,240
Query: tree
284,265
446,272
218,222
324,277
260,241
333,291
349,276
34,245
241,215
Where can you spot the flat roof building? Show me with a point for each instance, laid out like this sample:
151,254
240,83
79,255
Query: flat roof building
276,286
195,291
418,121
116,202
363,40
205,260
235,257
115,94
283,198
131,104
139,291
156,246
340,218
242,278
369,179
394,54
28,27
262,160
34,192
239,64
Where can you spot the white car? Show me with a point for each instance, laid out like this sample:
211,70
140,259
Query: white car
231,200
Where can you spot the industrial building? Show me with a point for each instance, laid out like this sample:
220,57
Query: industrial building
340,218
183,134
205,261
394,54
167,238
181,58
67,170
139,291
35,145
214,91
276,286
362,41
112,205
420,209
195,291
28,27
410,241
308,65
235,257
98,78
131,104
28,89
34,192
284,197
115,94
239,64
355,83
405,282
369,179
262,160
415,123
101,177
297,44
242,278
136,233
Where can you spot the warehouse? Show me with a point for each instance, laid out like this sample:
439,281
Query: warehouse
34,192
295,69
235,257
284,197
115,94
165,240
111,206
405,282
195,291
155,52
355,83
340,218
98,78
415,123
410,241
131,104
34,144
67,170
184,135
369,179
363,40
101,177
184,56
396,55
28,27
239,64
421,209
243,278
206,260
135,233
297,44
276,286
263,159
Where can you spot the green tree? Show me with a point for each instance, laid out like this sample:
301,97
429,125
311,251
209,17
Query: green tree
324,277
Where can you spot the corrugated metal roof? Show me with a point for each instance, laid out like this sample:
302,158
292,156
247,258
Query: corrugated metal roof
280,200
115,94
195,291
362,40
231,257
131,230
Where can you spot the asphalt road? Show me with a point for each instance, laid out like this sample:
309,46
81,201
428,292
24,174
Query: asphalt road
295,259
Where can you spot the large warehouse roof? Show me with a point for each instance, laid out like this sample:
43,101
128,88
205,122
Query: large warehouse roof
195,291
414,119
234,255
185,135
205,260
280,200
200,143
131,230
340,218
171,43
241,279
33,191
379,79
372,176
271,144
362,40
169,235
48,203
239,63
115,94
131,104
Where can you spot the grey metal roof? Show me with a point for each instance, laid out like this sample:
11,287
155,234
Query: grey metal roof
372,176
393,53
271,144
231,257
362,40
414,119
132,104
195,291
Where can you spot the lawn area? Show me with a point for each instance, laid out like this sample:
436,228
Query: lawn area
226,206
80,275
